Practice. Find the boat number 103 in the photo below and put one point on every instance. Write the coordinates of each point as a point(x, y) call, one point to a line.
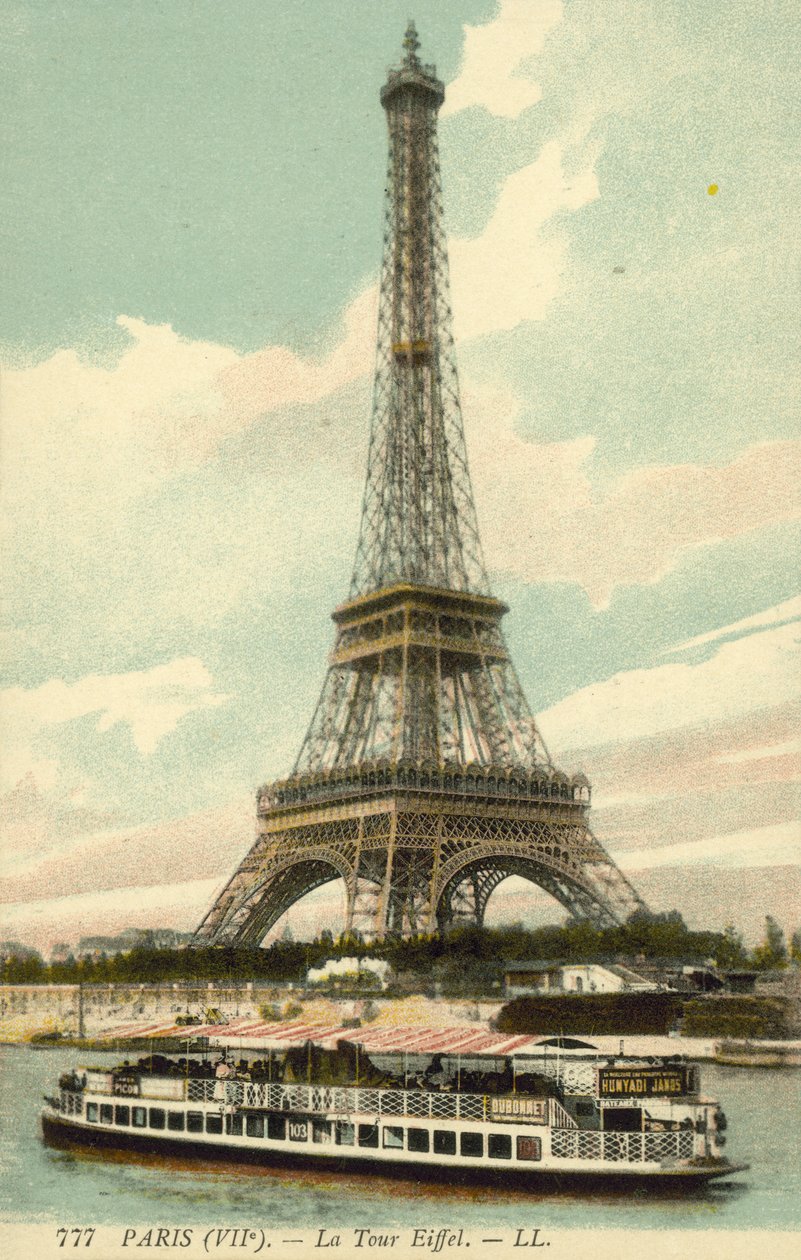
point(297, 1131)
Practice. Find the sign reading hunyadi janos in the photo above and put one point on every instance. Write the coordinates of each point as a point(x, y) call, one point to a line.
point(646, 1082)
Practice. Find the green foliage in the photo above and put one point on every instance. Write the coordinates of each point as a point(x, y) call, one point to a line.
point(772, 952)
point(591, 1013)
point(737, 1017)
point(25, 968)
point(470, 956)
point(731, 951)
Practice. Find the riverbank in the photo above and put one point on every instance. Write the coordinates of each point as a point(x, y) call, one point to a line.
point(82, 1017)
point(85, 1013)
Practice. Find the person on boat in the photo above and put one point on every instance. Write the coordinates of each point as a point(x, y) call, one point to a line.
point(222, 1072)
point(435, 1074)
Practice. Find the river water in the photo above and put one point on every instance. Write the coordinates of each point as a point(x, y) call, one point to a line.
point(67, 1189)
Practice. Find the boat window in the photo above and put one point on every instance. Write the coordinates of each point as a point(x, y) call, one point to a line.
point(254, 1126)
point(91, 1112)
point(417, 1139)
point(321, 1131)
point(444, 1142)
point(175, 1121)
point(393, 1137)
point(529, 1147)
point(213, 1123)
point(106, 1113)
point(194, 1121)
point(499, 1146)
point(368, 1135)
point(345, 1133)
point(139, 1117)
point(471, 1144)
point(585, 1107)
point(158, 1118)
point(122, 1115)
point(276, 1128)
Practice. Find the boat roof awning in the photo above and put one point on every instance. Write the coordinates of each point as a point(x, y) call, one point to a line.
point(407, 1040)
point(250, 1034)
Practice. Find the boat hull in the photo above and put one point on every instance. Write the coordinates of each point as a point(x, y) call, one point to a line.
point(59, 1131)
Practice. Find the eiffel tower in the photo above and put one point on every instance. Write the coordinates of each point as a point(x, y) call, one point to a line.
point(422, 781)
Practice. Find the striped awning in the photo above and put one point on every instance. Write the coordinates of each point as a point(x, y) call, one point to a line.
point(249, 1034)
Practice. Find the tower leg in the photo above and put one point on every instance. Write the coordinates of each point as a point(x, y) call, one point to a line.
point(387, 889)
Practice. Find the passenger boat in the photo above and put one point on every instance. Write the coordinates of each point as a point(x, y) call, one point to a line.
point(454, 1103)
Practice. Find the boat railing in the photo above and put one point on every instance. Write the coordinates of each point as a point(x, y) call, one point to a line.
point(558, 1118)
point(625, 1148)
point(70, 1102)
point(337, 1099)
point(347, 1100)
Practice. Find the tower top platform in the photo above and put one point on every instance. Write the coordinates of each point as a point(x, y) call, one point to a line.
point(412, 76)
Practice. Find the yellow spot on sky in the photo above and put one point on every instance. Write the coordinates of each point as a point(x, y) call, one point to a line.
point(712, 189)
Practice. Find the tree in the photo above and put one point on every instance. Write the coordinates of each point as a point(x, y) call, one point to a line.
point(795, 946)
point(772, 952)
point(731, 951)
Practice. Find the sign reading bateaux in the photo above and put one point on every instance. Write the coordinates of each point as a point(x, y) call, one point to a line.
point(646, 1082)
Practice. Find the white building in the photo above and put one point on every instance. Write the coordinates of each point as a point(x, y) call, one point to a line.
point(548, 977)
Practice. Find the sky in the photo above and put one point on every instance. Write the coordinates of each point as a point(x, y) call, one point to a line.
point(191, 202)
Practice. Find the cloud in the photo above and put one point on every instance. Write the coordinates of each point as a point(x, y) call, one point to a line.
point(166, 403)
point(743, 676)
point(513, 270)
point(208, 843)
point(789, 610)
point(52, 919)
point(765, 752)
point(546, 519)
point(710, 759)
point(149, 702)
point(693, 765)
point(492, 74)
point(278, 377)
point(760, 846)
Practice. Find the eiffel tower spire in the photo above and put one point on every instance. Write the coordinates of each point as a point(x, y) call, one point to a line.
point(418, 519)
point(422, 781)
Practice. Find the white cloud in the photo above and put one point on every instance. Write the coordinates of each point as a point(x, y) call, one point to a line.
point(492, 74)
point(87, 437)
point(179, 905)
point(150, 702)
point(789, 610)
point(743, 676)
point(512, 271)
point(544, 519)
point(762, 753)
point(761, 846)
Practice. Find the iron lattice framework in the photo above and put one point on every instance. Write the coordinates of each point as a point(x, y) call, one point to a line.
point(422, 781)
